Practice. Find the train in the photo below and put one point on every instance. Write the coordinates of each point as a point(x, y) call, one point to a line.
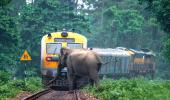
point(122, 62)
point(125, 62)
point(52, 73)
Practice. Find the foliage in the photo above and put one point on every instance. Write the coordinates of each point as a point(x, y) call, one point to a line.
point(167, 49)
point(134, 89)
point(5, 76)
point(161, 9)
point(4, 2)
point(9, 88)
point(9, 39)
point(120, 23)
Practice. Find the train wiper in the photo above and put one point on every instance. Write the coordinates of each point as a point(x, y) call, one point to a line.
point(55, 50)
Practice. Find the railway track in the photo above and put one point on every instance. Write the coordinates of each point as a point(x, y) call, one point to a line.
point(77, 95)
point(37, 95)
point(50, 94)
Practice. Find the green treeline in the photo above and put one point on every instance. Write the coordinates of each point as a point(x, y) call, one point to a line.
point(106, 23)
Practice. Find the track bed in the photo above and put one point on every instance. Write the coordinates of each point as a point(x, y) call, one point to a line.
point(60, 95)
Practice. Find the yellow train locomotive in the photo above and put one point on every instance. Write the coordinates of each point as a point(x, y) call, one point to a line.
point(50, 50)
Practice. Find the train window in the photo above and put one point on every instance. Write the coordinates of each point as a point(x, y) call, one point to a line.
point(53, 48)
point(64, 40)
point(75, 45)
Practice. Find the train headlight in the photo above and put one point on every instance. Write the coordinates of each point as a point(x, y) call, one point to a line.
point(48, 58)
point(52, 58)
point(64, 34)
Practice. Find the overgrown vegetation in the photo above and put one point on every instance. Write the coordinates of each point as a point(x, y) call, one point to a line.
point(10, 88)
point(134, 89)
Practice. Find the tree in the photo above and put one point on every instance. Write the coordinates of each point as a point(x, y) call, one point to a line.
point(9, 39)
point(44, 16)
point(4, 2)
point(160, 8)
point(120, 23)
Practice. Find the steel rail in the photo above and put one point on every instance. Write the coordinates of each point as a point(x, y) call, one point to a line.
point(37, 95)
point(77, 95)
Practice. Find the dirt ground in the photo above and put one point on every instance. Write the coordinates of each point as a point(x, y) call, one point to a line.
point(55, 96)
point(21, 95)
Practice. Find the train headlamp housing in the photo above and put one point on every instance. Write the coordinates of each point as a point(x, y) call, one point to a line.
point(64, 34)
point(49, 35)
point(52, 58)
point(48, 58)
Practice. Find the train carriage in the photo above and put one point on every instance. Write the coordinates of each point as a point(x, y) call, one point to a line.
point(125, 62)
point(50, 50)
point(118, 62)
point(142, 63)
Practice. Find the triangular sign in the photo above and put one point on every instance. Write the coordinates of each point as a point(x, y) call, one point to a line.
point(25, 56)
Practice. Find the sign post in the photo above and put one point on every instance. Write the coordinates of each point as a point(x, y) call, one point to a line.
point(25, 57)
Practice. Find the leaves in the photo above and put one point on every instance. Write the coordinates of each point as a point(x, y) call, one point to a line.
point(161, 10)
point(12, 87)
point(166, 50)
point(131, 89)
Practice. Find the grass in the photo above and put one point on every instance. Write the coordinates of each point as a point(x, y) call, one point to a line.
point(134, 89)
point(123, 89)
point(12, 87)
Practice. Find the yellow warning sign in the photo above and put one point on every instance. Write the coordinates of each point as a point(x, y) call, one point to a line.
point(25, 56)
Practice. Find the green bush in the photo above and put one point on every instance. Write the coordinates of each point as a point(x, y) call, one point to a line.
point(134, 89)
point(7, 91)
point(4, 77)
point(13, 87)
point(33, 84)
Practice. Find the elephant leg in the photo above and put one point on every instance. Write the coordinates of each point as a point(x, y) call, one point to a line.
point(96, 81)
point(91, 82)
point(70, 81)
point(74, 82)
point(94, 78)
point(70, 78)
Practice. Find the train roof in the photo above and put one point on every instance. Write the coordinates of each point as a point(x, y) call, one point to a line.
point(111, 52)
point(78, 36)
point(138, 51)
point(142, 52)
point(121, 51)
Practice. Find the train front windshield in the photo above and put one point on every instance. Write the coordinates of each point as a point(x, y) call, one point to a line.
point(75, 45)
point(53, 48)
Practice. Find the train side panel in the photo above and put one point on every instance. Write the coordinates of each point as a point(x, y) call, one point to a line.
point(125, 63)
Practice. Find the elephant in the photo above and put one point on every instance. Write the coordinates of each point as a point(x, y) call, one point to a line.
point(80, 63)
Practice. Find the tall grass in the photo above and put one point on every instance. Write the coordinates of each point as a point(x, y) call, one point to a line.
point(134, 89)
point(12, 87)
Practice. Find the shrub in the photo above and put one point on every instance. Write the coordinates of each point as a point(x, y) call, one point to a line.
point(134, 89)
point(13, 87)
